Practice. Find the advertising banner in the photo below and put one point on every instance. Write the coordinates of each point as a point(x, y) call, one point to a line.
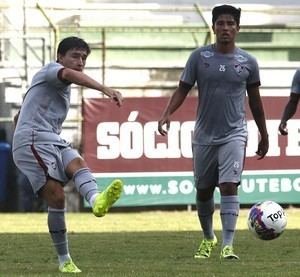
point(124, 143)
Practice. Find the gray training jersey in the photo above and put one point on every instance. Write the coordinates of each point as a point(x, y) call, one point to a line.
point(222, 80)
point(296, 82)
point(44, 109)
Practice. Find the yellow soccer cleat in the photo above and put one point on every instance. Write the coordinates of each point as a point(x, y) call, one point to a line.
point(227, 253)
point(206, 248)
point(69, 267)
point(107, 198)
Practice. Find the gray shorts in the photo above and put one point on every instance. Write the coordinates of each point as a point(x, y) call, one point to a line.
point(217, 164)
point(40, 161)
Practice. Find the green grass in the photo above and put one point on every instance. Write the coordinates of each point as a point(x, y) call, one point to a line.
point(142, 244)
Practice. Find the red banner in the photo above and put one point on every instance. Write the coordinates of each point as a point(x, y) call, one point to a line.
point(126, 140)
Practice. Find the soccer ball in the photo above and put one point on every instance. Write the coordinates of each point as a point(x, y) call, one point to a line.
point(267, 220)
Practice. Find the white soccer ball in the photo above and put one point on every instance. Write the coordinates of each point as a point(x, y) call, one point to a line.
point(267, 220)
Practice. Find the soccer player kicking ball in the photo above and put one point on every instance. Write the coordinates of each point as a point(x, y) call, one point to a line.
point(224, 73)
point(44, 157)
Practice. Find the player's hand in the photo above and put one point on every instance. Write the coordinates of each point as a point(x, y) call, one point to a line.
point(282, 128)
point(161, 123)
point(117, 97)
point(263, 147)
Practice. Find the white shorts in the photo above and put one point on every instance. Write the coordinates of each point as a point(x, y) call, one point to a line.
point(40, 161)
point(217, 164)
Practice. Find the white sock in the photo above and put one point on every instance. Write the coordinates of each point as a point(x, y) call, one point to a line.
point(92, 199)
point(63, 258)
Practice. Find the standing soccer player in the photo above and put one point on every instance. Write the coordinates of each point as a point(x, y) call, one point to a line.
point(291, 106)
point(44, 157)
point(224, 73)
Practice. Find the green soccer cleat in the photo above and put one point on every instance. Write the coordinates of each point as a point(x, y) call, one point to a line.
point(107, 198)
point(205, 248)
point(69, 267)
point(228, 254)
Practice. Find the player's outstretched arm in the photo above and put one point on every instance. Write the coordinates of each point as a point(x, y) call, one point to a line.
point(81, 79)
point(174, 103)
point(289, 111)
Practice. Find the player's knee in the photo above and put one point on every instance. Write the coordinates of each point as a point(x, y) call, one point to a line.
point(227, 189)
point(75, 165)
point(53, 193)
point(204, 195)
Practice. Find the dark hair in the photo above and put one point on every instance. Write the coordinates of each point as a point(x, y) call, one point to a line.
point(226, 9)
point(71, 43)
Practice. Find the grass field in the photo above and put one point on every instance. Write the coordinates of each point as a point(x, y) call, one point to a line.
point(142, 244)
